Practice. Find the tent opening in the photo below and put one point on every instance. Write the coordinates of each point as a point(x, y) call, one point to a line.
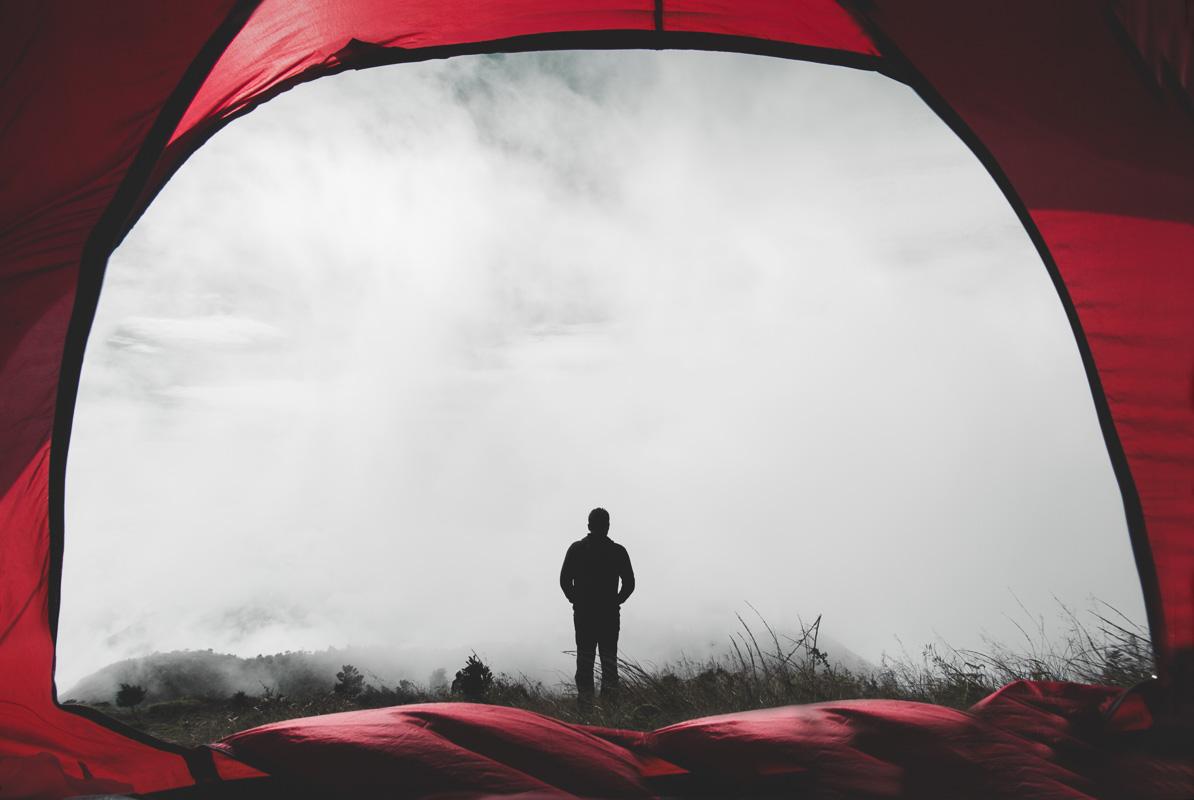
point(366, 363)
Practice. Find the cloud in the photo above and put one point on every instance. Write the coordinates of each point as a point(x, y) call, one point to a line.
point(379, 346)
point(152, 335)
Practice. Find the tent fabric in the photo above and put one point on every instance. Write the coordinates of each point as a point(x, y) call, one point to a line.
point(284, 40)
point(81, 87)
point(1029, 740)
point(1080, 110)
point(1102, 163)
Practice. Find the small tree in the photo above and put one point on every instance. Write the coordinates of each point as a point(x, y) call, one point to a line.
point(130, 696)
point(349, 681)
point(474, 681)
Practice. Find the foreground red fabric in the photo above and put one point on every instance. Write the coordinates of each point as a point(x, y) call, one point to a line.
point(1080, 110)
point(1029, 740)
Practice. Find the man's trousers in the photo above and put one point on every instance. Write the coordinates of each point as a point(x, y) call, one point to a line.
point(596, 629)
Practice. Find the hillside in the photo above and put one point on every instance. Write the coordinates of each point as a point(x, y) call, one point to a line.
point(185, 674)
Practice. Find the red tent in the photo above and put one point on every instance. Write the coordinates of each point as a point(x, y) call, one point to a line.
point(1082, 111)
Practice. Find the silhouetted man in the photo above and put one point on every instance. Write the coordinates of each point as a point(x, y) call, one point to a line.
point(589, 578)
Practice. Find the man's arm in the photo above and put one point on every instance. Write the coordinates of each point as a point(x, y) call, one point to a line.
point(566, 576)
point(626, 573)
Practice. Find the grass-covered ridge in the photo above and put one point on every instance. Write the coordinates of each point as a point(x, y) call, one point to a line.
point(761, 669)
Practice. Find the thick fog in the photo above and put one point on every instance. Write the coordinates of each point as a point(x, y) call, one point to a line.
point(364, 366)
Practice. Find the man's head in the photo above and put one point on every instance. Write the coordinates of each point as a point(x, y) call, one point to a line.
point(599, 522)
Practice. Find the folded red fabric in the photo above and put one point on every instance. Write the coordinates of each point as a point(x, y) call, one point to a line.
point(1028, 740)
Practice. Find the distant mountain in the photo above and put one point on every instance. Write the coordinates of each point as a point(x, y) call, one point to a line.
point(203, 673)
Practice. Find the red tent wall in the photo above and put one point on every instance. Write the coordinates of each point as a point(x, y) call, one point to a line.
point(82, 86)
point(100, 102)
point(1102, 163)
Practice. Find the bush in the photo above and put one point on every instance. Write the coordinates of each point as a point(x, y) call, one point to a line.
point(349, 681)
point(271, 699)
point(474, 681)
point(130, 696)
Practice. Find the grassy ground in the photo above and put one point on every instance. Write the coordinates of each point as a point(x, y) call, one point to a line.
point(763, 669)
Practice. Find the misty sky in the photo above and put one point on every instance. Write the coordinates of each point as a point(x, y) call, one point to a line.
point(362, 369)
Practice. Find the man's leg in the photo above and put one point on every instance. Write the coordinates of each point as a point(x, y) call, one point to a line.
point(586, 654)
point(607, 640)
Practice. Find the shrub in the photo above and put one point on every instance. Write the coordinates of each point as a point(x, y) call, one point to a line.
point(474, 681)
point(349, 681)
point(130, 696)
point(271, 699)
